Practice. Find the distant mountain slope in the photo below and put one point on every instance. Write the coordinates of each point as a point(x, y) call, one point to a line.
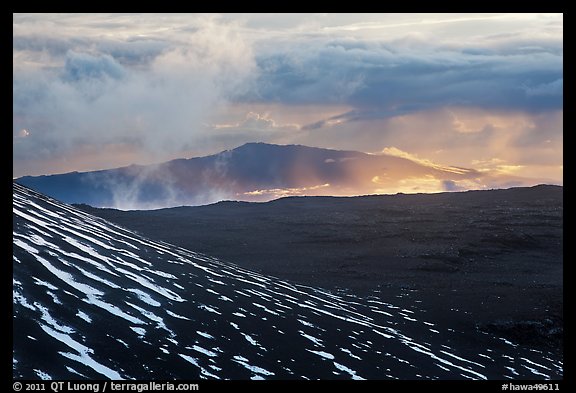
point(252, 172)
point(93, 300)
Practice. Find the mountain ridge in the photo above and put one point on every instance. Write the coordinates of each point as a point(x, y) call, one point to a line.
point(255, 172)
point(535, 188)
point(244, 146)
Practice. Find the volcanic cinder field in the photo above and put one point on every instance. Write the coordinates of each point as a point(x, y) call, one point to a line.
point(95, 300)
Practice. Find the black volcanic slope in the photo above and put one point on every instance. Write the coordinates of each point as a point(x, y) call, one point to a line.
point(93, 300)
point(495, 256)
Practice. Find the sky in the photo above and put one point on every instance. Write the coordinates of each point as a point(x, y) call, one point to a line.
point(479, 91)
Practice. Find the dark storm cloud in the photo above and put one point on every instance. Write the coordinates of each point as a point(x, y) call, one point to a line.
point(380, 79)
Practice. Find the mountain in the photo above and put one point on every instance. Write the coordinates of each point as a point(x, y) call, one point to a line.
point(94, 300)
point(252, 172)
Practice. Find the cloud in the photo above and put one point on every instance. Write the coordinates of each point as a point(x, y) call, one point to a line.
point(456, 137)
point(91, 98)
point(552, 89)
point(381, 77)
point(23, 133)
point(451, 87)
point(330, 122)
point(394, 151)
point(276, 193)
point(256, 122)
point(86, 67)
point(385, 66)
point(451, 185)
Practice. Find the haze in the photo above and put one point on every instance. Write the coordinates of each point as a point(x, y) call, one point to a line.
point(477, 91)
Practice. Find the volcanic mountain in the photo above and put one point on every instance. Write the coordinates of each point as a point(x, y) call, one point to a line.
point(252, 172)
point(94, 300)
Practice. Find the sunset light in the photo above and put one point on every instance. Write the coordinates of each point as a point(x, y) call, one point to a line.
point(480, 92)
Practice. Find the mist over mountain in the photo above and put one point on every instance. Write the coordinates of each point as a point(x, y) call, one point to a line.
point(257, 172)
